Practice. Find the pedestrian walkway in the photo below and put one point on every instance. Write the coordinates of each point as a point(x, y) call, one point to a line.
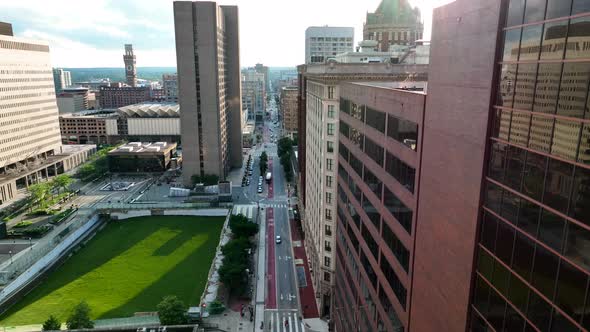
point(275, 321)
point(249, 210)
point(274, 205)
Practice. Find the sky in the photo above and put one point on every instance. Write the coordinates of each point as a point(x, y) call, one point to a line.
point(91, 33)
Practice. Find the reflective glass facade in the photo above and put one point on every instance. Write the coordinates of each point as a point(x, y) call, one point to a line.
point(533, 258)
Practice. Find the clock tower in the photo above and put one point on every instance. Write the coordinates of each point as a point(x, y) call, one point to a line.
point(130, 69)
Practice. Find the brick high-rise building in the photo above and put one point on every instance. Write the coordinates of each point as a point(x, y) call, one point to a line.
point(394, 22)
point(207, 52)
point(115, 97)
point(288, 110)
point(484, 227)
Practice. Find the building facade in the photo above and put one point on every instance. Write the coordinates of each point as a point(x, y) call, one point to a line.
point(145, 122)
point(254, 94)
point(170, 86)
point(323, 43)
point(378, 159)
point(394, 22)
point(288, 111)
point(130, 66)
point(30, 140)
point(207, 52)
point(115, 97)
point(61, 79)
point(318, 156)
point(6, 29)
point(262, 69)
point(72, 100)
point(499, 228)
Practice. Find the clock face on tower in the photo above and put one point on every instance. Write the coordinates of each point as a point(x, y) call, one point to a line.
point(129, 68)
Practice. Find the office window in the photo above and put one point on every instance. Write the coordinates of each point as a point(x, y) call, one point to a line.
point(330, 92)
point(327, 261)
point(329, 164)
point(374, 151)
point(330, 146)
point(330, 129)
point(331, 111)
point(329, 181)
point(328, 230)
point(535, 10)
point(327, 246)
point(375, 119)
point(403, 131)
point(511, 44)
point(328, 198)
point(327, 276)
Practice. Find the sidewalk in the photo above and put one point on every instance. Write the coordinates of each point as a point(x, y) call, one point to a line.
point(306, 293)
point(260, 271)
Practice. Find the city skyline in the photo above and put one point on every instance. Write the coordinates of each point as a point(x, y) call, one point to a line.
point(94, 38)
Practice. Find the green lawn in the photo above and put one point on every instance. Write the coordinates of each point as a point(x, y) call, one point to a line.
point(127, 267)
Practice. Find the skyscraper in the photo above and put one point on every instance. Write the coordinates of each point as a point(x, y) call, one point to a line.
point(394, 22)
point(207, 52)
point(30, 139)
point(323, 43)
point(130, 69)
point(61, 79)
point(484, 225)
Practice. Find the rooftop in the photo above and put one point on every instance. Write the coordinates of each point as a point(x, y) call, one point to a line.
point(143, 148)
point(150, 110)
point(411, 86)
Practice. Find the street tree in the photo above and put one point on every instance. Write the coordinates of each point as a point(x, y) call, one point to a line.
point(52, 324)
point(39, 192)
point(62, 182)
point(80, 317)
point(171, 311)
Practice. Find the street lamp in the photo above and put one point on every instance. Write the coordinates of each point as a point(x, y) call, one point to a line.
point(10, 253)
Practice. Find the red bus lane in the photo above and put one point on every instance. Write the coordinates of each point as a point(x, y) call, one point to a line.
point(306, 293)
point(271, 294)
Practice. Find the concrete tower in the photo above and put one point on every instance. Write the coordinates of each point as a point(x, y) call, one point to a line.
point(130, 69)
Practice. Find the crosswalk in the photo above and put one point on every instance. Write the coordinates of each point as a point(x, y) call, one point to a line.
point(275, 321)
point(275, 205)
point(249, 210)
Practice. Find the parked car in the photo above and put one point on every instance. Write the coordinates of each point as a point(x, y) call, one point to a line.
point(278, 239)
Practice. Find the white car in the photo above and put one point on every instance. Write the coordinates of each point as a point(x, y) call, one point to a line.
point(259, 190)
point(278, 239)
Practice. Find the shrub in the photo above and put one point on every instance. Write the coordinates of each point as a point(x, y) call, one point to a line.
point(216, 307)
point(23, 224)
point(171, 311)
point(80, 317)
point(37, 232)
point(51, 324)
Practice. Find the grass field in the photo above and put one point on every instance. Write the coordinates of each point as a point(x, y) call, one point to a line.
point(127, 267)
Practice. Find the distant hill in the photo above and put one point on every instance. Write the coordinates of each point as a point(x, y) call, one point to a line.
point(118, 74)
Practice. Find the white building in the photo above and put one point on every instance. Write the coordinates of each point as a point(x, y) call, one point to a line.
point(61, 79)
point(323, 43)
point(30, 138)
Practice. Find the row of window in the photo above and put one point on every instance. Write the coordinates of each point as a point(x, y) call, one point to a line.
point(537, 10)
point(563, 138)
point(562, 236)
point(403, 131)
point(552, 88)
point(25, 79)
point(398, 169)
point(558, 184)
point(14, 45)
point(392, 203)
point(24, 72)
point(349, 39)
point(550, 41)
point(24, 104)
point(526, 273)
point(23, 152)
point(26, 87)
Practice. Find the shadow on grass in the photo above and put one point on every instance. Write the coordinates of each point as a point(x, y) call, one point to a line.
point(114, 240)
point(187, 280)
